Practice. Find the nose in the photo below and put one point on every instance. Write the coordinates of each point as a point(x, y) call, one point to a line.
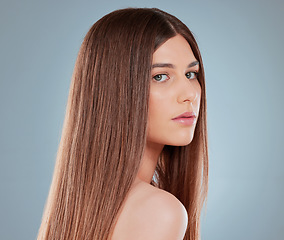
point(187, 90)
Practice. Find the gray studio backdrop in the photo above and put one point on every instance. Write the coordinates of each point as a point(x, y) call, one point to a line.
point(242, 47)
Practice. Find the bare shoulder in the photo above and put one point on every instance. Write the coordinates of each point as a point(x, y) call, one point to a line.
point(151, 213)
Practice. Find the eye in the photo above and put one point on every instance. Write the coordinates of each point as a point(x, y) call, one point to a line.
point(161, 77)
point(191, 75)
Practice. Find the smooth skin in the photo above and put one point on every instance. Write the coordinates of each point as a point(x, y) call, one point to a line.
point(148, 212)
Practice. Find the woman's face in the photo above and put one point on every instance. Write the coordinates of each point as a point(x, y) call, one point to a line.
point(174, 90)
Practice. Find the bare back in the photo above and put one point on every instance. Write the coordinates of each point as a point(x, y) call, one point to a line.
point(150, 213)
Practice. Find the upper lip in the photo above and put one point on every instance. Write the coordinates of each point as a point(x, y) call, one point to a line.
point(186, 115)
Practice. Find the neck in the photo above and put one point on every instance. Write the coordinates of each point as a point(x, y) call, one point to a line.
point(149, 162)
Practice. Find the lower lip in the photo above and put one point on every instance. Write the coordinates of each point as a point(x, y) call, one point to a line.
point(185, 121)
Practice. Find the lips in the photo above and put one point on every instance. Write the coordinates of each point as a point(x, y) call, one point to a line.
point(186, 119)
point(186, 115)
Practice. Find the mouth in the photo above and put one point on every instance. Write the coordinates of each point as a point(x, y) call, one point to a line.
point(186, 115)
point(187, 118)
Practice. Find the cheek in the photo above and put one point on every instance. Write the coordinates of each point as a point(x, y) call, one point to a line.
point(197, 102)
point(158, 110)
point(156, 106)
point(198, 89)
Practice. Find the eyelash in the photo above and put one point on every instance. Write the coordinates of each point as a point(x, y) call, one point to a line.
point(165, 74)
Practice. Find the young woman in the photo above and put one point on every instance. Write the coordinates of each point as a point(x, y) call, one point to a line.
point(133, 158)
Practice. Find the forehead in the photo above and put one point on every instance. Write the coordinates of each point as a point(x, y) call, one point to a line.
point(174, 49)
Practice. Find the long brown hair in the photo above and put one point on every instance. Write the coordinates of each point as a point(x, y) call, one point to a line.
point(104, 131)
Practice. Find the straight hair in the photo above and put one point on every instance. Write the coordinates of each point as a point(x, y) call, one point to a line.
point(104, 131)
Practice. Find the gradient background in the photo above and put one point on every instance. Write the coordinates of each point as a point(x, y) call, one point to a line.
point(242, 47)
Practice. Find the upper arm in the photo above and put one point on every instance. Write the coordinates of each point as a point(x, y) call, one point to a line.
point(160, 217)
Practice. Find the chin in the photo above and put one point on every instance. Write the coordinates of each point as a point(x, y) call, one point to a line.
point(180, 144)
point(181, 141)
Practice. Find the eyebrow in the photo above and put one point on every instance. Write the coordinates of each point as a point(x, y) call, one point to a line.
point(169, 65)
